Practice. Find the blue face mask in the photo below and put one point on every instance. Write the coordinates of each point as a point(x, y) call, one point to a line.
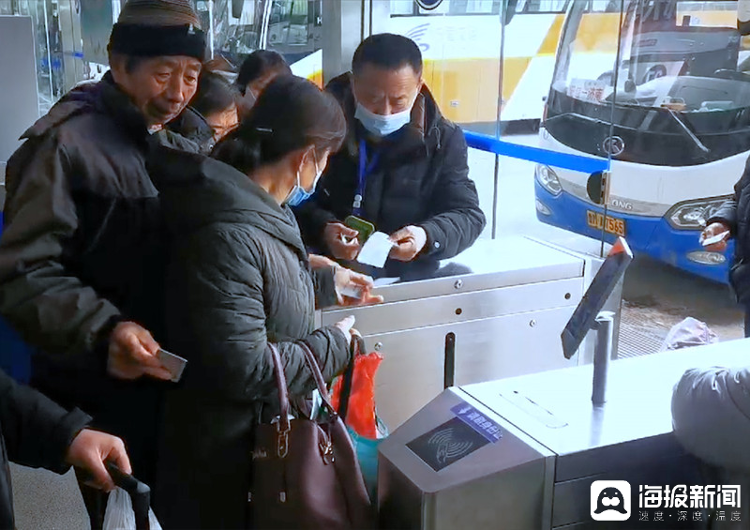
point(382, 125)
point(298, 195)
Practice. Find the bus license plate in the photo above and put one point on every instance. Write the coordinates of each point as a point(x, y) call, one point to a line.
point(611, 225)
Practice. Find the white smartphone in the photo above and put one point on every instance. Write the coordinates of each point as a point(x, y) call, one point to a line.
point(718, 238)
point(174, 363)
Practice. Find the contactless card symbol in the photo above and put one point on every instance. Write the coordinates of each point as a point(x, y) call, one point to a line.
point(610, 500)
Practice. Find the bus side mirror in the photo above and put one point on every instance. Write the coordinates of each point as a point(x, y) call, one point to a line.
point(510, 11)
point(743, 17)
point(237, 8)
point(597, 187)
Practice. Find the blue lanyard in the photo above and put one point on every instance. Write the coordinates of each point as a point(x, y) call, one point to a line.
point(364, 170)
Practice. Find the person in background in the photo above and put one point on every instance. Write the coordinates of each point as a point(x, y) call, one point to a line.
point(257, 71)
point(732, 220)
point(81, 253)
point(211, 114)
point(711, 420)
point(222, 66)
point(239, 279)
point(36, 432)
point(403, 167)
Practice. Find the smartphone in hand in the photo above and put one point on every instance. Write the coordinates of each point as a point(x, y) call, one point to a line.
point(364, 228)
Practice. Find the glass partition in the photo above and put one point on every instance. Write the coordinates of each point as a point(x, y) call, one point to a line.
point(649, 95)
point(654, 92)
point(666, 102)
point(292, 28)
point(49, 64)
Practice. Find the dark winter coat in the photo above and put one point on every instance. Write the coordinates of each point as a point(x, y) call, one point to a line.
point(238, 279)
point(34, 432)
point(736, 214)
point(421, 178)
point(81, 250)
point(192, 125)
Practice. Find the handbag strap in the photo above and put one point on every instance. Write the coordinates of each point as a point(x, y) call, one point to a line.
point(357, 347)
point(284, 425)
point(312, 363)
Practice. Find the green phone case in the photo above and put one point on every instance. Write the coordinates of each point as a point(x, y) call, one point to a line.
point(365, 228)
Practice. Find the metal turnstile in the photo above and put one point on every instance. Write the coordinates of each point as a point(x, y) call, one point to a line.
point(505, 316)
point(539, 444)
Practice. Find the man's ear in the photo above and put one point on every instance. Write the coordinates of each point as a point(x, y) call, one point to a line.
point(117, 64)
point(352, 86)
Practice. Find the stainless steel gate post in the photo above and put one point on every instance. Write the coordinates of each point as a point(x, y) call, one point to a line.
point(602, 355)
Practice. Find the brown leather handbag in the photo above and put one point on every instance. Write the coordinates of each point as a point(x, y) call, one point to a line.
point(305, 471)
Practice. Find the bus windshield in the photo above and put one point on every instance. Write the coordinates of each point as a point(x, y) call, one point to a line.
point(679, 94)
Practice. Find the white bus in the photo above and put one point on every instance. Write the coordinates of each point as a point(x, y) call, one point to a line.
point(673, 114)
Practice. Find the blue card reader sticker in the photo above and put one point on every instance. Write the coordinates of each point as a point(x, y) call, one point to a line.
point(479, 422)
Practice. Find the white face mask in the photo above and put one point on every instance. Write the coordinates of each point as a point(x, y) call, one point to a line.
point(382, 125)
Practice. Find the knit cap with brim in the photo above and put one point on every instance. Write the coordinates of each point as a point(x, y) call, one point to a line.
point(150, 28)
point(159, 13)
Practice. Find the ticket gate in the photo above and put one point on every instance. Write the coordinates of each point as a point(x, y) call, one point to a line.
point(523, 453)
point(501, 319)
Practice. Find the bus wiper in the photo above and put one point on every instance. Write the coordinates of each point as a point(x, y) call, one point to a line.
point(688, 132)
point(581, 117)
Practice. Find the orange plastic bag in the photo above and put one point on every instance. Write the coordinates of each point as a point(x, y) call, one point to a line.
point(361, 416)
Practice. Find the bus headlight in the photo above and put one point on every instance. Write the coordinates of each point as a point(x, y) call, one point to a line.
point(707, 258)
point(547, 178)
point(692, 215)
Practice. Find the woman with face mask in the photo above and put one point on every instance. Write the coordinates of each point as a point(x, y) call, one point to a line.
point(212, 112)
point(257, 71)
point(238, 279)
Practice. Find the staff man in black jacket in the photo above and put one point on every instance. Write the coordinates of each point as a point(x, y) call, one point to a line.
point(403, 166)
point(36, 432)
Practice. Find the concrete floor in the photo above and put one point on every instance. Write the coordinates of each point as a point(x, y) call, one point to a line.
point(46, 501)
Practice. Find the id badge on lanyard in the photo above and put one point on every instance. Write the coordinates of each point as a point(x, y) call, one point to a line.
point(364, 170)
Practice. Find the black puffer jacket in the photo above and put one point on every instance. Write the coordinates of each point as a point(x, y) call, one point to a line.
point(34, 432)
point(238, 279)
point(81, 249)
point(736, 214)
point(420, 179)
point(192, 125)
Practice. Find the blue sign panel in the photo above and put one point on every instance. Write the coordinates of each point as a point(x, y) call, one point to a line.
point(484, 426)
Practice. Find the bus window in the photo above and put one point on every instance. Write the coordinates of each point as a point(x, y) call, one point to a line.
point(290, 27)
point(683, 60)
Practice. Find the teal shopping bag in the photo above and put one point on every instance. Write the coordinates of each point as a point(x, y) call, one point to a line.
point(367, 454)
